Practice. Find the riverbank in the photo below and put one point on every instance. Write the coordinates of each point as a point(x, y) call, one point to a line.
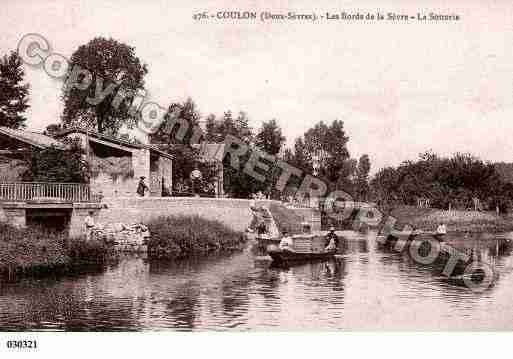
point(428, 219)
point(185, 236)
point(34, 251)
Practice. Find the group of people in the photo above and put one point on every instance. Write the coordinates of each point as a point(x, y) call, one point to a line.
point(331, 244)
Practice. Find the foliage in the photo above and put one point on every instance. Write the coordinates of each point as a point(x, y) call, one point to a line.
point(322, 151)
point(188, 112)
point(327, 146)
point(58, 165)
point(13, 93)
point(362, 178)
point(53, 129)
point(88, 251)
point(237, 183)
point(183, 236)
point(30, 248)
point(270, 139)
point(111, 63)
point(36, 250)
point(428, 219)
point(186, 159)
point(456, 180)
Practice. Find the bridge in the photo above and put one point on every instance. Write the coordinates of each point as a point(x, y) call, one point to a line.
point(57, 206)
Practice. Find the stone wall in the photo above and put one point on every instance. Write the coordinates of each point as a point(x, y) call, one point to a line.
point(234, 213)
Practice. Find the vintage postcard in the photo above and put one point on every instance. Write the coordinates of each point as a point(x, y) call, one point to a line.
point(282, 166)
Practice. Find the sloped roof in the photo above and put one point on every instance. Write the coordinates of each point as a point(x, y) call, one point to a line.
point(208, 151)
point(115, 140)
point(32, 138)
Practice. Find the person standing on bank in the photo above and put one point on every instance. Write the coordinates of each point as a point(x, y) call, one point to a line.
point(142, 187)
point(89, 224)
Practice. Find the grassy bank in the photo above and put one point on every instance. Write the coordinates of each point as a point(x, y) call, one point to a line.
point(457, 221)
point(184, 236)
point(36, 251)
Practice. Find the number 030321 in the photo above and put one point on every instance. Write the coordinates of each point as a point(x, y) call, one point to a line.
point(21, 344)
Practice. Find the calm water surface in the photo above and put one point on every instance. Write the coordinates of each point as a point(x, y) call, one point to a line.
point(368, 289)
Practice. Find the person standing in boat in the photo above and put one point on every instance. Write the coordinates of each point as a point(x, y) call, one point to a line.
point(261, 228)
point(332, 240)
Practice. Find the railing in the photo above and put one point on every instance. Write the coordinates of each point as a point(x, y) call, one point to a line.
point(31, 191)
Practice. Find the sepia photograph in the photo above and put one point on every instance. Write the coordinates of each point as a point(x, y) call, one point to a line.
point(285, 166)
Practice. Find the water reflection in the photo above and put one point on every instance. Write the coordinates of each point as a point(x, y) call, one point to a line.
point(367, 288)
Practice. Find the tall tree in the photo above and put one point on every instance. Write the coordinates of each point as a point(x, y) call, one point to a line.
point(327, 148)
point(13, 92)
point(211, 129)
point(270, 138)
point(244, 132)
point(187, 111)
point(114, 67)
point(362, 177)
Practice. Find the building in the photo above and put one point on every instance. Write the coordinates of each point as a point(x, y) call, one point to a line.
point(117, 165)
point(14, 145)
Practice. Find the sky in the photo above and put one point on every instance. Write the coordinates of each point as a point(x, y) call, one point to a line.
point(400, 88)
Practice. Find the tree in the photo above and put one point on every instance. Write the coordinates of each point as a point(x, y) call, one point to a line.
point(186, 111)
point(270, 139)
point(113, 65)
point(327, 148)
point(362, 178)
point(52, 129)
point(211, 129)
point(13, 93)
point(454, 181)
point(186, 159)
point(244, 132)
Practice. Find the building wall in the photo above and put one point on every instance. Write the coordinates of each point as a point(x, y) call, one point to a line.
point(235, 213)
point(120, 187)
point(166, 166)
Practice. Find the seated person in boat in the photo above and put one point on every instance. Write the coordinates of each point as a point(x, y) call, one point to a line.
point(441, 229)
point(306, 228)
point(286, 241)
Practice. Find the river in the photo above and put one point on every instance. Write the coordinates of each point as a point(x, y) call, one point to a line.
point(368, 289)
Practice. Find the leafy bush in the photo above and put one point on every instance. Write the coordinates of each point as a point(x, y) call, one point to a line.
point(92, 251)
point(58, 165)
point(35, 250)
point(182, 236)
point(24, 250)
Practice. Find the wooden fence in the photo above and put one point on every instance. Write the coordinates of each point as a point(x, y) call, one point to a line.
point(29, 191)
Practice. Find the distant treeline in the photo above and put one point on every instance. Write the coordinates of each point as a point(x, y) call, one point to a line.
point(455, 181)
